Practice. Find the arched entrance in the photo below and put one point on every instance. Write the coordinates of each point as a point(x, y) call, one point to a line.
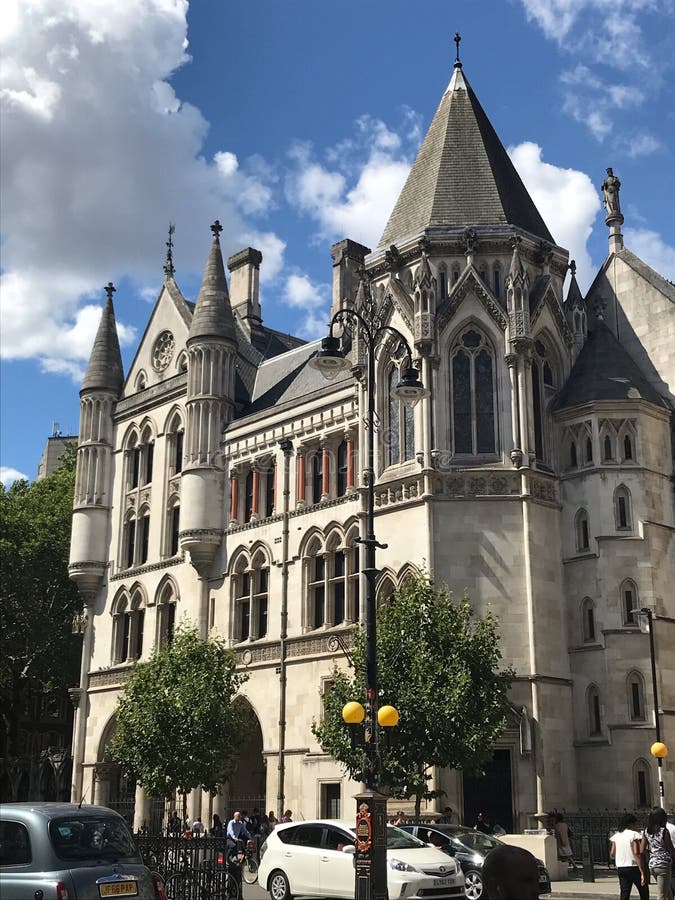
point(112, 788)
point(247, 786)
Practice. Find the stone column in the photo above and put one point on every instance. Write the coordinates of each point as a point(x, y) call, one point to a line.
point(141, 809)
point(516, 452)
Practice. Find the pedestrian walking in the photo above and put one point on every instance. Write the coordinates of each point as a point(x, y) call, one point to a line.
point(624, 849)
point(217, 829)
point(661, 852)
point(562, 837)
point(400, 818)
point(287, 816)
point(272, 819)
point(446, 818)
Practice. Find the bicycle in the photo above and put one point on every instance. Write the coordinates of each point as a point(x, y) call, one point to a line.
point(249, 864)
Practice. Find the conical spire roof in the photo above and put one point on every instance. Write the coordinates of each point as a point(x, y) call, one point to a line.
point(213, 313)
point(104, 371)
point(462, 176)
point(574, 297)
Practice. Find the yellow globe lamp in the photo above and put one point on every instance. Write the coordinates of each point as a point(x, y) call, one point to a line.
point(659, 750)
point(387, 716)
point(353, 713)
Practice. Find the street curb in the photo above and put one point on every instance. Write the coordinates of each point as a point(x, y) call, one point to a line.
point(557, 895)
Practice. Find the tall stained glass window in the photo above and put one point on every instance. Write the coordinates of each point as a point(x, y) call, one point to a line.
point(472, 373)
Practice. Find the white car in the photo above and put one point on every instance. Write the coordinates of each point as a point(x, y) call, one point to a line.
point(317, 859)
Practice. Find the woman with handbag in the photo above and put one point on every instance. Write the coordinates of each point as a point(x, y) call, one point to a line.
point(661, 852)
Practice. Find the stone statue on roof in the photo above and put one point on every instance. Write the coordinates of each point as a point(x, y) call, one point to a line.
point(610, 193)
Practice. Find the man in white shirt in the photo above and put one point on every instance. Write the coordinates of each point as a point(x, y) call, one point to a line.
point(623, 850)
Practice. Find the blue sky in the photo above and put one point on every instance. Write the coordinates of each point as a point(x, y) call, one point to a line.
point(295, 124)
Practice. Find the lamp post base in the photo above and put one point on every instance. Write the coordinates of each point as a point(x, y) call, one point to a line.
point(371, 846)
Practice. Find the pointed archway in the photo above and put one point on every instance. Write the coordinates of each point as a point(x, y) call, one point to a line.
point(248, 783)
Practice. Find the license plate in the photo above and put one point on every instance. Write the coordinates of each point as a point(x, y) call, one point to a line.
point(442, 882)
point(118, 889)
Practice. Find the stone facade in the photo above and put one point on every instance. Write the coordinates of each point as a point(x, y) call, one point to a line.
point(544, 492)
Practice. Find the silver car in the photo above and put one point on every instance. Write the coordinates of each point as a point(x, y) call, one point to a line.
point(60, 851)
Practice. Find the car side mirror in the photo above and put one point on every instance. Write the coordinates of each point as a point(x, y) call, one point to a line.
point(350, 849)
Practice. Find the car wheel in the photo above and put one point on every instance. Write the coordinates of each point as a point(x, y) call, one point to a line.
point(278, 886)
point(473, 884)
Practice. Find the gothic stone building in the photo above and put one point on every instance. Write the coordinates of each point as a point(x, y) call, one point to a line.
point(219, 481)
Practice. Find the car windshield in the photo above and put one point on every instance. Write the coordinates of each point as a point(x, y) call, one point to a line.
point(91, 837)
point(476, 840)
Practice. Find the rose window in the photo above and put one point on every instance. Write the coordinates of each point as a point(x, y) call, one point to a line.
point(163, 351)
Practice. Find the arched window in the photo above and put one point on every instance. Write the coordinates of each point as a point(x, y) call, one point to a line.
point(385, 590)
point(250, 595)
point(443, 281)
point(622, 509)
point(455, 274)
point(248, 496)
point(128, 621)
point(582, 531)
point(589, 451)
point(636, 697)
point(166, 615)
point(594, 716)
point(134, 471)
point(129, 542)
point(400, 423)
point(270, 487)
point(627, 448)
point(588, 620)
point(543, 386)
point(316, 577)
point(143, 535)
point(173, 527)
point(608, 449)
point(497, 280)
point(629, 602)
point(642, 785)
point(472, 375)
point(175, 436)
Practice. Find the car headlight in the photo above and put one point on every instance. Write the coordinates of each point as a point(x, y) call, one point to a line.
point(399, 866)
point(477, 859)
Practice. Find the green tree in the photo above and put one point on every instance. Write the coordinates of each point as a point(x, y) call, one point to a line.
point(177, 725)
point(440, 666)
point(37, 599)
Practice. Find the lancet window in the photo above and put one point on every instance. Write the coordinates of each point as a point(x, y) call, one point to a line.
point(473, 393)
point(250, 596)
point(544, 383)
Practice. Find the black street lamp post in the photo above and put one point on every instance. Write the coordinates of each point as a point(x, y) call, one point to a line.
point(371, 874)
point(658, 749)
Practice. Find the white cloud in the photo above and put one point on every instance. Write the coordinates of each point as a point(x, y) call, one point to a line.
point(99, 155)
point(8, 475)
point(607, 31)
point(300, 292)
point(593, 101)
point(641, 144)
point(352, 193)
point(566, 199)
point(650, 247)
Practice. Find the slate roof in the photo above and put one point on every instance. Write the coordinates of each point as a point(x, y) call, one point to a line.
point(604, 371)
point(462, 175)
point(104, 370)
point(289, 377)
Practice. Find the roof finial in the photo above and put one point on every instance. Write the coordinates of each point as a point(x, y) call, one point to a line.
point(573, 267)
point(458, 38)
point(168, 266)
point(110, 290)
point(216, 228)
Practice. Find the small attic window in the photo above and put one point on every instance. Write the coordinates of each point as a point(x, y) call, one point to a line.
point(182, 363)
point(141, 381)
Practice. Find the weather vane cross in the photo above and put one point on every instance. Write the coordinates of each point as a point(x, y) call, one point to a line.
point(457, 39)
point(216, 228)
point(168, 267)
point(110, 289)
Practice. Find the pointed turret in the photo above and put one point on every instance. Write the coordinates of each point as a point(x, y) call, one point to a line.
point(104, 371)
point(462, 176)
point(518, 295)
point(213, 314)
point(212, 352)
point(101, 389)
point(575, 310)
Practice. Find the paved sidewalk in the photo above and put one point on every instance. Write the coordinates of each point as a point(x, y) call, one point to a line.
point(606, 885)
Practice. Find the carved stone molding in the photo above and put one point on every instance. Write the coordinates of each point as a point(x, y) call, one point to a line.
point(400, 492)
point(489, 484)
point(109, 677)
point(151, 567)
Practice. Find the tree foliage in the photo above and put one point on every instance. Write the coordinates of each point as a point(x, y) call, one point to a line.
point(440, 666)
point(37, 599)
point(177, 725)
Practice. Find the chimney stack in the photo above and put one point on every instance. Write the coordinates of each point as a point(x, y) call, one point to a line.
point(245, 286)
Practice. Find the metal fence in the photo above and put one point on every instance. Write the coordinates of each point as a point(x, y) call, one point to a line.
point(194, 857)
point(599, 825)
